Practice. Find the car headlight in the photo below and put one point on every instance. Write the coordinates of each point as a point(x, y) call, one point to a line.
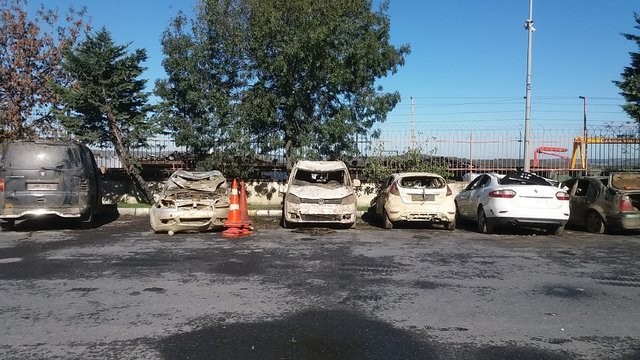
point(351, 199)
point(292, 199)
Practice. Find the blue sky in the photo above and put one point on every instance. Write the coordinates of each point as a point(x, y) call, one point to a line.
point(467, 66)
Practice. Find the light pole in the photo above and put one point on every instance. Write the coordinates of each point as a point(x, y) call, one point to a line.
point(584, 133)
point(528, 25)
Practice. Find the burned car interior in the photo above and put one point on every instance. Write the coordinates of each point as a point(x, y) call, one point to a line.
point(305, 177)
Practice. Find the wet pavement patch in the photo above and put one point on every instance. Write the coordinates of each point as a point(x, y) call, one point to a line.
point(237, 268)
point(428, 285)
point(325, 334)
point(314, 230)
point(157, 290)
point(565, 291)
point(329, 334)
point(83, 290)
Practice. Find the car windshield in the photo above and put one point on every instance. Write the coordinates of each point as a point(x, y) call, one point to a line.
point(524, 178)
point(333, 177)
point(39, 155)
point(430, 182)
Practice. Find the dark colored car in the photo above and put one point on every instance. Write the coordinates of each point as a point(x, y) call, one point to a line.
point(605, 203)
point(48, 178)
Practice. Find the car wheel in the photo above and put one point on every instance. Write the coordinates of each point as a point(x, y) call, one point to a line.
point(86, 222)
point(8, 225)
point(386, 223)
point(594, 223)
point(559, 230)
point(284, 223)
point(451, 225)
point(483, 226)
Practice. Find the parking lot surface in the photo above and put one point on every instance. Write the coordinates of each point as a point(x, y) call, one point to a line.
point(120, 291)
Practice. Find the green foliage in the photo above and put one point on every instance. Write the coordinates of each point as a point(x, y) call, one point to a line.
point(378, 168)
point(296, 74)
point(630, 83)
point(106, 103)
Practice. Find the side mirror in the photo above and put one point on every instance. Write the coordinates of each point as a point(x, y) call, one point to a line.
point(356, 182)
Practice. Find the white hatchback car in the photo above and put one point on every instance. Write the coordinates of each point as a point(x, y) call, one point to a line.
point(415, 197)
point(320, 192)
point(518, 199)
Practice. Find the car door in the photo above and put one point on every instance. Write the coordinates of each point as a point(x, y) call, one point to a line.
point(467, 198)
point(579, 201)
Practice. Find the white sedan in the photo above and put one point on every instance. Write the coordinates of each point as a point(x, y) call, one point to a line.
point(517, 199)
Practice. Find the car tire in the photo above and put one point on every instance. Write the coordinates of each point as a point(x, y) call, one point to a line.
point(286, 224)
point(451, 225)
point(87, 220)
point(7, 225)
point(558, 231)
point(386, 223)
point(483, 226)
point(594, 223)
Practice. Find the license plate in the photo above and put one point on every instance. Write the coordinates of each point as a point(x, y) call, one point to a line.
point(425, 197)
point(40, 187)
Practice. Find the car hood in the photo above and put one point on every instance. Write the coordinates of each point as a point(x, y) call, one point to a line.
point(320, 191)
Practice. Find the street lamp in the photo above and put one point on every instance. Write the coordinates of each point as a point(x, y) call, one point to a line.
point(528, 25)
point(584, 133)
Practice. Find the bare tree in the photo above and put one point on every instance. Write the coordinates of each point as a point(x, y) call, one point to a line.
point(31, 50)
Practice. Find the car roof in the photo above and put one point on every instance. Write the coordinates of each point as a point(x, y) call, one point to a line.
point(313, 165)
point(416, 173)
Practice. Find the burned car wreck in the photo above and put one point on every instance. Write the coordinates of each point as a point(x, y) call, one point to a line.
point(191, 201)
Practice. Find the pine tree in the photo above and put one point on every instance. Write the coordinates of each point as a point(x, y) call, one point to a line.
point(106, 103)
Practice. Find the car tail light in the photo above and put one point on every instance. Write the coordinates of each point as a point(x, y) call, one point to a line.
point(508, 194)
point(394, 189)
point(562, 195)
point(1, 184)
point(625, 204)
point(449, 192)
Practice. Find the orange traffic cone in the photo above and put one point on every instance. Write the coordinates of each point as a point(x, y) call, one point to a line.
point(244, 212)
point(234, 223)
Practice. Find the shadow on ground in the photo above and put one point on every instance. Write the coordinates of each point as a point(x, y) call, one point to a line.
point(326, 334)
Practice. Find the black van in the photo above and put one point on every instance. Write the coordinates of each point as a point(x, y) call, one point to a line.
point(48, 178)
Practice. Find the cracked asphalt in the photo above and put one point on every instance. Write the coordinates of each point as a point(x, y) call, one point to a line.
point(120, 291)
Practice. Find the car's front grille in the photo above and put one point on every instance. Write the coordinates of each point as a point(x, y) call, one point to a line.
point(321, 201)
point(320, 217)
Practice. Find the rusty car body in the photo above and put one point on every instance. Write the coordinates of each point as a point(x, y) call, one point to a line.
point(608, 203)
point(191, 201)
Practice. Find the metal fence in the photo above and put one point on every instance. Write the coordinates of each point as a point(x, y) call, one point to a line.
point(560, 151)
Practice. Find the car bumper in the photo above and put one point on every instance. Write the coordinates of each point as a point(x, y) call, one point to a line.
point(326, 214)
point(18, 214)
point(171, 220)
point(525, 222)
point(418, 215)
point(623, 222)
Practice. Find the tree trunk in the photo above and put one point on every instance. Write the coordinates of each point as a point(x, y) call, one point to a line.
point(127, 163)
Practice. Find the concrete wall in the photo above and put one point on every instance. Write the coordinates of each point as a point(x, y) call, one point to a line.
point(259, 193)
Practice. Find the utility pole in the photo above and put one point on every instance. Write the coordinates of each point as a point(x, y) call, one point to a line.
point(528, 25)
point(584, 134)
point(413, 130)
